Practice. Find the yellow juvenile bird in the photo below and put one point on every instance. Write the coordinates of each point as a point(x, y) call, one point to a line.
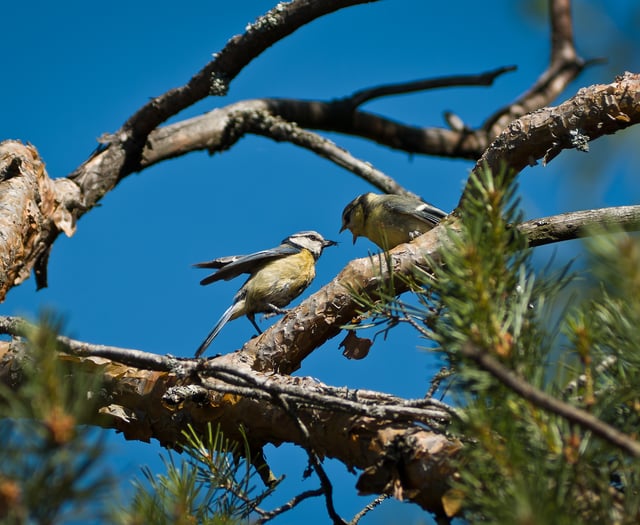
point(276, 277)
point(389, 220)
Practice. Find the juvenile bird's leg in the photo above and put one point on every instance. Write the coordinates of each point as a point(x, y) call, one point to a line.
point(252, 318)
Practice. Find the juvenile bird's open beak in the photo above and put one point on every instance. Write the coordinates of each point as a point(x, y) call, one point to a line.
point(344, 227)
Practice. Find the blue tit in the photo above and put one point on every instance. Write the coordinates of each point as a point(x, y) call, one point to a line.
point(389, 220)
point(276, 277)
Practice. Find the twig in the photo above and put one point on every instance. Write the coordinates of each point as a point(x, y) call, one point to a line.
point(442, 374)
point(17, 326)
point(325, 482)
point(277, 128)
point(292, 503)
point(481, 79)
point(541, 399)
point(335, 399)
point(368, 508)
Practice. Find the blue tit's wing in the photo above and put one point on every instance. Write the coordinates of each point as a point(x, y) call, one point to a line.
point(236, 265)
point(415, 208)
point(219, 262)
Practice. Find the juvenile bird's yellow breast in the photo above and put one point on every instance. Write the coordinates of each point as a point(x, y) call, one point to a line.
point(280, 281)
point(392, 231)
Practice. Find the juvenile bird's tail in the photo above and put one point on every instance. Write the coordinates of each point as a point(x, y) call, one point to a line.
point(226, 316)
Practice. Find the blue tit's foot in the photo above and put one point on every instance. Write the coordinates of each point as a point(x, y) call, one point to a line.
point(273, 310)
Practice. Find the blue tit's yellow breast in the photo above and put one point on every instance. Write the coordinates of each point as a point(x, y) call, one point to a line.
point(280, 281)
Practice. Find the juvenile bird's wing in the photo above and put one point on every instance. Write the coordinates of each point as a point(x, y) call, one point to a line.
point(415, 208)
point(232, 266)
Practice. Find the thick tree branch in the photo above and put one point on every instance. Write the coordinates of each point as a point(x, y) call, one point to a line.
point(595, 111)
point(217, 130)
point(221, 375)
point(403, 458)
point(33, 209)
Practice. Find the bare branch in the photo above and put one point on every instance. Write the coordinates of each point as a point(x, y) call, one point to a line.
point(362, 402)
point(262, 123)
point(215, 77)
point(481, 79)
point(18, 327)
point(368, 508)
point(218, 131)
point(541, 399)
point(315, 462)
point(220, 376)
point(573, 225)
point(266, 516)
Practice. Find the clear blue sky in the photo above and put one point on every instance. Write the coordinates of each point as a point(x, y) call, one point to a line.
point(75, 70)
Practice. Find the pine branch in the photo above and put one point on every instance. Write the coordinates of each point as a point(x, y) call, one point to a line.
point(573, 414)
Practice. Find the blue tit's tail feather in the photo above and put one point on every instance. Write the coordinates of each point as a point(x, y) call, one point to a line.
point(216, 329)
